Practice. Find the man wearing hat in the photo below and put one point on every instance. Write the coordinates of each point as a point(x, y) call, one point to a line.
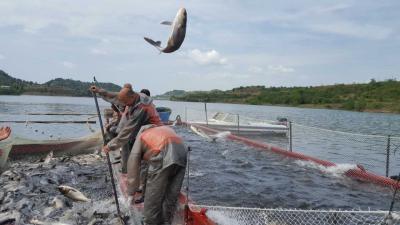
point(139, 110)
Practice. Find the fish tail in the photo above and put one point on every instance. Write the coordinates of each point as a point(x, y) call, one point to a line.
point(156, 44)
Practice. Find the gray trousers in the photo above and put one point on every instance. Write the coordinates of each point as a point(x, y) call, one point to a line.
point(162, 192)
point(126, 151)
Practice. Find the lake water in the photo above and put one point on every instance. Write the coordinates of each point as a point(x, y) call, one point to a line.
point(232, 174)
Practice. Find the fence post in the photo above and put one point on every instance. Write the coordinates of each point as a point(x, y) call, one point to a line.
point(290, 136)
point(387, 156)
point(238, 125)
point(205, 109)
point(186, 115)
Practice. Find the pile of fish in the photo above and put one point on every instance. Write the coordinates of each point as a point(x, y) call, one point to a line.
point(65, 190)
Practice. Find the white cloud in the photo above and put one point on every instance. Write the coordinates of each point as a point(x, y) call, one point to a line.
point(2, 57)
point(345, 28)
point(97, 51)
point(280, 69)
point(256, 69)
point(330, 8)
point(207, 57)
point(271, 68)
point(68, 65)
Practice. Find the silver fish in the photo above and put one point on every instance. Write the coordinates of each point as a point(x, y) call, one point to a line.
point(57, 203)
point(203, 134)
point(48, 158)
point(177, 35)
point(38, 222)
point(72, 193)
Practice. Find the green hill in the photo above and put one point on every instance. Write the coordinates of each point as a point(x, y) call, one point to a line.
point(375, 96)
point(60, 87)
point(169, 94)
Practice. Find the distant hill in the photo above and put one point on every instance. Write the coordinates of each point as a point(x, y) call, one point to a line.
point(60, 87)
point(375, 96)
point(169, 94)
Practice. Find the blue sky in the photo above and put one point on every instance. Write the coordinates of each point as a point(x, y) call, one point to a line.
point(229, 43)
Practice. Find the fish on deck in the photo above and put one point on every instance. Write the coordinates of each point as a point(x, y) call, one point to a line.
point(72, 193)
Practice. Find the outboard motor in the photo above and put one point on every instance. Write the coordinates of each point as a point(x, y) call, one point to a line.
point(282, 120)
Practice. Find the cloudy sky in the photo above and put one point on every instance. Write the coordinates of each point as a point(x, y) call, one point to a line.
point(229, 43)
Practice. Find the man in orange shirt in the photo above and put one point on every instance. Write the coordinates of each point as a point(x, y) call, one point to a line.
point(165, 153)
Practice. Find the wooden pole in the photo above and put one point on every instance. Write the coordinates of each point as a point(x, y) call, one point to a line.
point(290, 137)
point(205, 109)
point(108, 155)
point(387, 156)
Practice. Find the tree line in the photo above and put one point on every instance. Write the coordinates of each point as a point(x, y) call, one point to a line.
point(378, 96)
point(59, 87)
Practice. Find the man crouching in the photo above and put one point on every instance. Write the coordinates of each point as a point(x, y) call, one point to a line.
point(166, 155)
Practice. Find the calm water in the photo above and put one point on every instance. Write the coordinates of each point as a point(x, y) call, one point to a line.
point(229, 173)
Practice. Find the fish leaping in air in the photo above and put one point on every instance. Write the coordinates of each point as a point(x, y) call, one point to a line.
point(178, 33)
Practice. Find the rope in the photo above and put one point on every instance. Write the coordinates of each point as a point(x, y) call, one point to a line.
point(343, 132)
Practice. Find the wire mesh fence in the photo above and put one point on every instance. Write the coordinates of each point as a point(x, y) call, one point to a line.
point(376, 153)
point(257, 216)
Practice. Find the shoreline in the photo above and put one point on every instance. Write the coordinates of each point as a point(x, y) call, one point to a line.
point(304, 106)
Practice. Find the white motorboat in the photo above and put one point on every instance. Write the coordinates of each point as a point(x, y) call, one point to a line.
point(243, 125)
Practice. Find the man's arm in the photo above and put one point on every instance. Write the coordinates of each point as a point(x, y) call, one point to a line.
point(135, 160)
point(134, 167)
point(110, 97)
point(129, 130)
point(107, 96)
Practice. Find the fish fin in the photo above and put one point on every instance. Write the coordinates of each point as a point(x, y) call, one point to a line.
point(166, 23)
point(156, 44)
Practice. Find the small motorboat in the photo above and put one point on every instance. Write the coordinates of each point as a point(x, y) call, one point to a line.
point(243, 125)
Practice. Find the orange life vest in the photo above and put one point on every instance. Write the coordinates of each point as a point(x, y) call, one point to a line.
point(157, 138)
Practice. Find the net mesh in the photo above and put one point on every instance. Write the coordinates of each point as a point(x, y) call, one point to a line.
point(256, 216)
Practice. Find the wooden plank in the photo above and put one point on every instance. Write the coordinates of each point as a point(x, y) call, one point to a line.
point(62, 114)
point(48, 121)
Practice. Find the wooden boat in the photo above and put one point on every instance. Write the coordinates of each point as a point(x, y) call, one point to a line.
point(19, 148)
